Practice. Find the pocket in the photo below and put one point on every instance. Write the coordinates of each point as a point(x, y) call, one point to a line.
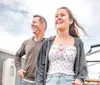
point(22, 82)
point(69, 78)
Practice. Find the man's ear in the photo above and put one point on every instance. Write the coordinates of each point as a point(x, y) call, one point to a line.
point(43, 25)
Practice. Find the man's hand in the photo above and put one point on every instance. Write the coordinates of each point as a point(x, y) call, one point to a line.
point(77, 82)
point(21, 73)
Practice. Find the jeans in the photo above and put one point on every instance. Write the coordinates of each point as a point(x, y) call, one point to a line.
point(22, 82)
point(59, 79)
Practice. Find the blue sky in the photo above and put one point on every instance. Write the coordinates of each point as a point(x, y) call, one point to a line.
point(16, 17)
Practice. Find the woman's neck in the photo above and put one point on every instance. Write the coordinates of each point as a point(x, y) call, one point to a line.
point(63, 34)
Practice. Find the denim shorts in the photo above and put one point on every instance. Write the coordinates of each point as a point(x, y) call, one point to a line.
point(59, 79)
point(22, 82)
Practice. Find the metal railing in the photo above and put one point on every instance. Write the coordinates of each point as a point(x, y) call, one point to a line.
point(93, 46)
point(92, 82)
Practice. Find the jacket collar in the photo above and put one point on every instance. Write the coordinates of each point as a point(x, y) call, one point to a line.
point(77, 40)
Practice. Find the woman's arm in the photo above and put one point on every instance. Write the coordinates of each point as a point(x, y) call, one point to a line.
point(40, 65)
point(82, 71)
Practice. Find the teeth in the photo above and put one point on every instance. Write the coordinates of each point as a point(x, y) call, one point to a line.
point(35, 27)
point(60, 21)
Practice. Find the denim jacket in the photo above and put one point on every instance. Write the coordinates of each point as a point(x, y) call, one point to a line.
point(42, 65)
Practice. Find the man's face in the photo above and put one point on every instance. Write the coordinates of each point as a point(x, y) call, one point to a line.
point(36, 26)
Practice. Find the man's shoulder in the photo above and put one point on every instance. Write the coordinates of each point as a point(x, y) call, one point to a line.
point(27, 40)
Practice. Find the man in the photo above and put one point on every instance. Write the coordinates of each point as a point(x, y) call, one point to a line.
point(30, 49)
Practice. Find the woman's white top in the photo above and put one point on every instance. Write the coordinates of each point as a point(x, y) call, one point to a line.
point(61, 59)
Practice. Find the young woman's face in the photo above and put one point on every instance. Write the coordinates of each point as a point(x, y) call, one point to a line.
point(62, 20)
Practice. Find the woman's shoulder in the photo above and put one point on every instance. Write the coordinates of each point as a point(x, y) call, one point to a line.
point(78, 41)
point(50, 38)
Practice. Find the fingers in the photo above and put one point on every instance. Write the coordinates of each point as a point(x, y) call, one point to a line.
point(21, 73)
point(24, 71)
point(77, 82)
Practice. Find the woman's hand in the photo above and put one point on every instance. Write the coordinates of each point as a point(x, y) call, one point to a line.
point(77, 82)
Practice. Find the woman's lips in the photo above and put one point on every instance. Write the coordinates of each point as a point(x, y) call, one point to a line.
point(59, 22)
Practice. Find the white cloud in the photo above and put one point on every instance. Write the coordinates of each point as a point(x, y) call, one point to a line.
point(11, 2)
point(10, 42)
point(15, 22)
point(83, 10)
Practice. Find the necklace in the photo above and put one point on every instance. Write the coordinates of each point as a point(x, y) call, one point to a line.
point(60, 50)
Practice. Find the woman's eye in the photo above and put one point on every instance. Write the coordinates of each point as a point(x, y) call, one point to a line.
point(62, 15)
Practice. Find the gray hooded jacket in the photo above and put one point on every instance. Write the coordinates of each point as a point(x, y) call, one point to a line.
point(80, 66)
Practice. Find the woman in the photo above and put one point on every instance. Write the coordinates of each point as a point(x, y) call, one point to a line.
point(61, 60)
